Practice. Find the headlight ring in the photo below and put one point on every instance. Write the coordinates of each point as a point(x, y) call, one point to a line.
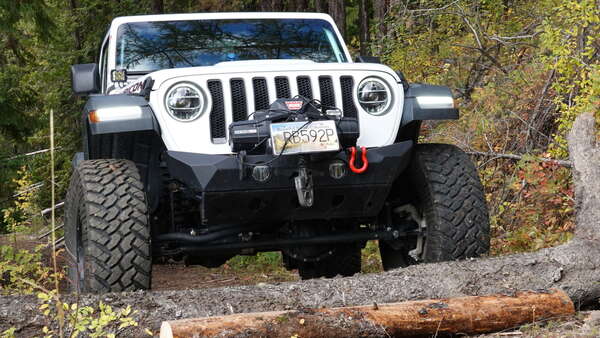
point(185, 102)
point(374, 96)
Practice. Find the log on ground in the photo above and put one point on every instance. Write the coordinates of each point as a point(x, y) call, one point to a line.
point(467, 315)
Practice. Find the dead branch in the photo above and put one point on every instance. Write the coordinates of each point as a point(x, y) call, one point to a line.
point(516, 157)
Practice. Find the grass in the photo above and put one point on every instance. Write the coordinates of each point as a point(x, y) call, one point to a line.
point(264, 262)
point(371, 260)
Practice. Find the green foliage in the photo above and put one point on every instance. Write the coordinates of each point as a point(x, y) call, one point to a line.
point(17, 217)
point(21, 270)
point(86, 321)
point(570, 39)
point(264, 262)
point(522, 72)
point(370, 258)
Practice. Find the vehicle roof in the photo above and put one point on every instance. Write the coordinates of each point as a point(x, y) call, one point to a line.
point(222, 15)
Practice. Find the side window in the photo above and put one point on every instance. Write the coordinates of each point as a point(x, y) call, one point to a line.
point(104, 65)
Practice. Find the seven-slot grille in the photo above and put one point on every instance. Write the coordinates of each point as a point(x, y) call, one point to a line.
point(240, 95)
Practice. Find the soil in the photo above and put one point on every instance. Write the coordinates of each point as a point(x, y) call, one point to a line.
point(195, 277)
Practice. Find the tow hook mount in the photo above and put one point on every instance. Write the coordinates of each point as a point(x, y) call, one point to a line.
point(304, 187)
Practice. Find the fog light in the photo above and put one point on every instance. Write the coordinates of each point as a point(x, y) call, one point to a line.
point(337, 169)
point(261, 173)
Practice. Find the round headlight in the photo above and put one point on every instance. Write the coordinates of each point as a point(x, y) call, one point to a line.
point(184, 102)
point(374, 96)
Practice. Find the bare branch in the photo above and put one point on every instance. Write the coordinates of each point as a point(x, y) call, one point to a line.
point(516, 157)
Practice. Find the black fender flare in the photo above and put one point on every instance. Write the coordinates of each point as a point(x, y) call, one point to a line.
point(143, 120)
point(437, 107)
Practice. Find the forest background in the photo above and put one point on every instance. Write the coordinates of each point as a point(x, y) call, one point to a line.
point(520, 70)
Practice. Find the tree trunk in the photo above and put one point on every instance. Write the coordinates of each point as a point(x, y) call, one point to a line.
point(380, 8)
point(76, 31)
point(363, 24)
point(319, 8)
point(573, 267)
point(158, 6)
point(337, 10)
point(297, 5)
point(467, 315)
point(271, 5)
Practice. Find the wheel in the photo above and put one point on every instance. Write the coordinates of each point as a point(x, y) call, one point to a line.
point(448, 204)
point(344, 261)
point(106, 228)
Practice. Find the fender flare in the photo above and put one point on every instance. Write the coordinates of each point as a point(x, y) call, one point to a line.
point(142, 120)
point(428, 102)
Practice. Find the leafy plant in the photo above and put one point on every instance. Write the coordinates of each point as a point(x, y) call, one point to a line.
point(16, 218)
point(21, 269)
point(83, 320)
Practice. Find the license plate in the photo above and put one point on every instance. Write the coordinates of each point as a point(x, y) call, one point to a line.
point(317, 136)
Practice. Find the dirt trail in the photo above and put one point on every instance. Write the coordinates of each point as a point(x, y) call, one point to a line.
point(181, 277)
point(176, 276)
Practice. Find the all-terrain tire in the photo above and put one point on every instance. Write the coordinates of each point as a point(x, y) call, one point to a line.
point(449, 195)
point(345, 261)
point(107, 231)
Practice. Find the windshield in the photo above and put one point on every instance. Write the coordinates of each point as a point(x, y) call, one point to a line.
point(150, 46)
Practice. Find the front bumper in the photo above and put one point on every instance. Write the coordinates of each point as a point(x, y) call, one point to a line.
point(229, 195)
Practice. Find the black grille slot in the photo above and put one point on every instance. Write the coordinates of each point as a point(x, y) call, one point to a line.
point(347, 82)
point(326, 88)
point(217, 114)
point(282, 87)
point(261, 94)
point(238, 100)
point(304, 87)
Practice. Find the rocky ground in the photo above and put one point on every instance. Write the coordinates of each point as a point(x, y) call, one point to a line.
point(183, 292)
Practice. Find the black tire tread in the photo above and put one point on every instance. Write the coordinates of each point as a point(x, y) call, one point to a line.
point(452, 196)
point(110, 201)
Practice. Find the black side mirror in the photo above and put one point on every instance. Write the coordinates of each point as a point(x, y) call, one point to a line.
point(367, 59)
point(85, 79)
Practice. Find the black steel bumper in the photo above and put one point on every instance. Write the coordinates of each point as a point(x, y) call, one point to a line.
point(228, 193)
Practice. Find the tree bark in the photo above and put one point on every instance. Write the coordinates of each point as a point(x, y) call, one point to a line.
point(76, 31)
point(319, 8)
point(363, 25)
point(271, 5)
point(380, 8)
point(573, 267)
point(158, 6)
point(337, 10)
point(297, 5)
point(467, 315)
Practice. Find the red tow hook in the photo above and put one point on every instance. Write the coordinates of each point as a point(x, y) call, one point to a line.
point(365, 162)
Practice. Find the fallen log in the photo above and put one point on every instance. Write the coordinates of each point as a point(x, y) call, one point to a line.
point(573, 267)
point(466, 315)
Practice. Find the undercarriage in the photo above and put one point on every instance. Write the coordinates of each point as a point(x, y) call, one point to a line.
point(231, 209)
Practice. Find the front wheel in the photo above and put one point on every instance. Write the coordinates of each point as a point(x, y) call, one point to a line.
point(448, 204)
point(106, 228)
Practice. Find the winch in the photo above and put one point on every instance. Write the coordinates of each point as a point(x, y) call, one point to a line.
point(254, 135)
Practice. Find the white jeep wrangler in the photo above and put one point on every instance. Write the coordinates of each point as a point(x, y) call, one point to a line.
point(211, 135)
